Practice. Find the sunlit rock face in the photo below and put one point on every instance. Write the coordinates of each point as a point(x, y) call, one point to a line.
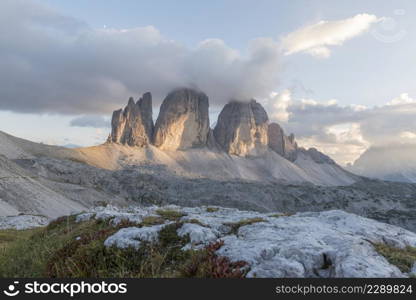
point(183, 121)
point(133, 126)
point(242, 128)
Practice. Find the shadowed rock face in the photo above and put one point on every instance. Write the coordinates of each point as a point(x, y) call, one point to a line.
point(133, 126)
point(280, 143)
point(183, 121)
point(242, 128)
point(317, 156)
point(276, 138)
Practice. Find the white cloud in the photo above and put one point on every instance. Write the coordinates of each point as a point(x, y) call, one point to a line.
point(404, 98)
point(344, 132)
point(277, 105)
point(317, 38)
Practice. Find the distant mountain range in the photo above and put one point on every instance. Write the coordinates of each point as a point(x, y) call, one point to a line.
point(391, 162)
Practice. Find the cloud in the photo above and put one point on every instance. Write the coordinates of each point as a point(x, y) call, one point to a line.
point(317, 38)
point(50, 62)
point(90, 121)
point(53, 63)
point(344, 132)
point(404, 98)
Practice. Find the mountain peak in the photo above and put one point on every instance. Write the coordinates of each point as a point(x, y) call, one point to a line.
point(242, 128)
point(183, 121)
point(133, 126)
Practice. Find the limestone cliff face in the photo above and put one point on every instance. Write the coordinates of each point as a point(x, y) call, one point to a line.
point(183, 121)
point(133, 126)
point(291, 147)
point(280, 143)
point(242, 128)
point(276, 138)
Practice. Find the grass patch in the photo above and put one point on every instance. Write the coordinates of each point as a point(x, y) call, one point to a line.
point(10, 236)
point(286, 214)
point(32, 256)
point(212, 209)
point(235, 226)
point(401, 258)
point(67, 249)
point(170, 215)
point(206, 264)
point(152, 220)
point(195, 221)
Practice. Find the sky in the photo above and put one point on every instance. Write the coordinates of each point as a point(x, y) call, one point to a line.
point(337, 75)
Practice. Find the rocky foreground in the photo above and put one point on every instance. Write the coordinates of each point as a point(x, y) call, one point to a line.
point(319, 244)
point(173, 241)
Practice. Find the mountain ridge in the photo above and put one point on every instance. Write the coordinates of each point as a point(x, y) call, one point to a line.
point(389, 162)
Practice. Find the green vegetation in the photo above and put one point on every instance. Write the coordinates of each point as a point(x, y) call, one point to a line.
point(170, 215)
point(11, 236)
point(276, 215)
point(212, 209)
point(195, 221)
point(281, 215)
point(401, 258)
point(152, 220)
point(68, 249)
point(237, 225)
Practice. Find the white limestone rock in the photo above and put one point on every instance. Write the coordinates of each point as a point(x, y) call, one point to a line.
point(22, 222)
point(413, 270)
point(198, 234)
point(311, 244)
point(134, 236)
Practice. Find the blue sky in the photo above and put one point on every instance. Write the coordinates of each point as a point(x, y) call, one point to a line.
point(369, 69)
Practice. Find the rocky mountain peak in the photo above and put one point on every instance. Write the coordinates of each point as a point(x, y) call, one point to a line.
point(133, 126)
point(280, 143)
point(242, 128)
point(183, 121)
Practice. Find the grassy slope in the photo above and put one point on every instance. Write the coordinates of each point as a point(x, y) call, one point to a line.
point(68, 249)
